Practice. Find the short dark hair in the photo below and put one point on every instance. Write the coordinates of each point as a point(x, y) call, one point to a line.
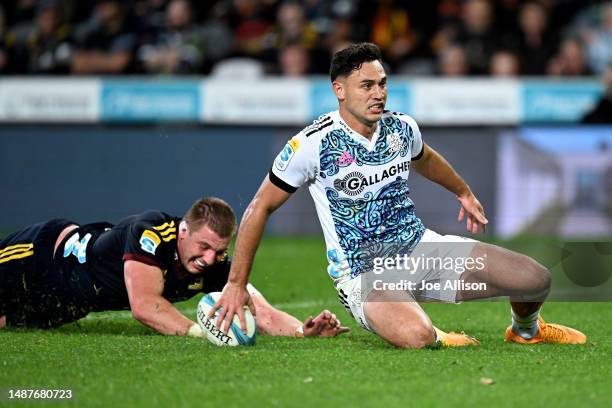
point(214, 213)
point(351, 58)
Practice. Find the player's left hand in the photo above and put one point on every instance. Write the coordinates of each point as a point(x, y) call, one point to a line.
point(471, 207)
point(324, 325)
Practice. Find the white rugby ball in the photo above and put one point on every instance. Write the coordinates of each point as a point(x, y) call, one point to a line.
point(235, 336)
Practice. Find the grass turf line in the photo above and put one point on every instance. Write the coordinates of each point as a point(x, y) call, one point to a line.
point(116, 361)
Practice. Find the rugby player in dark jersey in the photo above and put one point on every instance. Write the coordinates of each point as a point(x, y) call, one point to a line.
point(57, 272)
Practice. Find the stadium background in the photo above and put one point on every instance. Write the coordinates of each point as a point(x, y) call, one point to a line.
point(90, 141)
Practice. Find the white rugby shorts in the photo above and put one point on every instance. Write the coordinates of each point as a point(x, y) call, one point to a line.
point(353, 292)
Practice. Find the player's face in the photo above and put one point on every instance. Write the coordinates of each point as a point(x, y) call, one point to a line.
point(363, 93)
point(200, 248)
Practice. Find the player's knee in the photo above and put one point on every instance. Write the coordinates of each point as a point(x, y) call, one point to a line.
point(534, 277)
point(540, 276)
point(417, 337)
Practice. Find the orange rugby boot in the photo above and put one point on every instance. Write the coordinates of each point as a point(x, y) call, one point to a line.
point(453, 339)
point(548, 333)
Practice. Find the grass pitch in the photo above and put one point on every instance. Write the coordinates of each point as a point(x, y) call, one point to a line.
point(108, 359)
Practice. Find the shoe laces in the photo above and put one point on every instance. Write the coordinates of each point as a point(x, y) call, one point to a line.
point(553, 332)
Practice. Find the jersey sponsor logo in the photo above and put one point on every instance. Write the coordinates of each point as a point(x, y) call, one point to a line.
point(333, 255)
point(345, 159)
point(283, 159)
point(354, 182)
point(77, 247)
point(338, 264)
point(149, 241)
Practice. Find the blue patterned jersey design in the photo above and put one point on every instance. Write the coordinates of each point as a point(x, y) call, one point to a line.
point(364, 224)
point(377, 221)
point(337, 142)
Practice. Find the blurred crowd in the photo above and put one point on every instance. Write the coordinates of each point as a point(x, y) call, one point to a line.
point(289, 37)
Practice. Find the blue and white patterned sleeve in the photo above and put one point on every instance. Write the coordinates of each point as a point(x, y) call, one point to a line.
point(417, 140)
point(296, 163)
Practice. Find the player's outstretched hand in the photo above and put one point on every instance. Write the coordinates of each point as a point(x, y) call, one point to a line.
point(471, 207)
point(324, 325)
point(232, 301)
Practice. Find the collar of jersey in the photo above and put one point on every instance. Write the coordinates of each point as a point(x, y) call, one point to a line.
point(367, 143)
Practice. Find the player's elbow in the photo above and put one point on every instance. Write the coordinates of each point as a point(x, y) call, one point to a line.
point(268, 199)
point(264, 321)
point(142, 312)
point(139, 314)
point(259, 207)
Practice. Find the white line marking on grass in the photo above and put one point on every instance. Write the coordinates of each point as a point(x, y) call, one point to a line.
point(126, 314)
point(305, 304)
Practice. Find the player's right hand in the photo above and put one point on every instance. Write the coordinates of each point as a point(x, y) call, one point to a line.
point(234, 298)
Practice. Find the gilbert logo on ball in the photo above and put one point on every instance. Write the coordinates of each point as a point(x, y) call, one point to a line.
point(234, 336)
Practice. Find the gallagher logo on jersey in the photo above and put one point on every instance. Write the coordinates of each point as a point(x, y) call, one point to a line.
point(354, 182)
point(283, 159)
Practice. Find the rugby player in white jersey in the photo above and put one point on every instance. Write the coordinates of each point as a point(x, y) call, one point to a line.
point(355, 162)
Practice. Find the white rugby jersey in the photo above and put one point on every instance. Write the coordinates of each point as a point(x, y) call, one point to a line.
point(359, 186)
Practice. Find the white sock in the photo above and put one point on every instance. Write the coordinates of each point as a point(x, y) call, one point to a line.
point(437, 341)
point(525, 326)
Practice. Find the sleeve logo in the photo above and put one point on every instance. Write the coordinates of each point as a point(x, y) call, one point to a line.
point(283, 159)
point(294, 143)
point(149, 241)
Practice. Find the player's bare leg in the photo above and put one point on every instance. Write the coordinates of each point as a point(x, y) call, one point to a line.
point(403, 323)
point(526, 283)
point(2, 321)
point(507, 273)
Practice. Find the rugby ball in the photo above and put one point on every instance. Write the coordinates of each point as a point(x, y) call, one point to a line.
point(235, 336)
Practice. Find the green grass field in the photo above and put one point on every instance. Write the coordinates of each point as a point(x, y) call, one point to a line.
point(108, 359)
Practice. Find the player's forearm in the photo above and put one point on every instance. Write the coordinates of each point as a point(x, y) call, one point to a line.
point(274, 322)
point(160, 315)
point(434, 167)
point(248, 239)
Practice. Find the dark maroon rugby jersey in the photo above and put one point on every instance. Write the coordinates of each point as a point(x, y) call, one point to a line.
point(150, 238)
